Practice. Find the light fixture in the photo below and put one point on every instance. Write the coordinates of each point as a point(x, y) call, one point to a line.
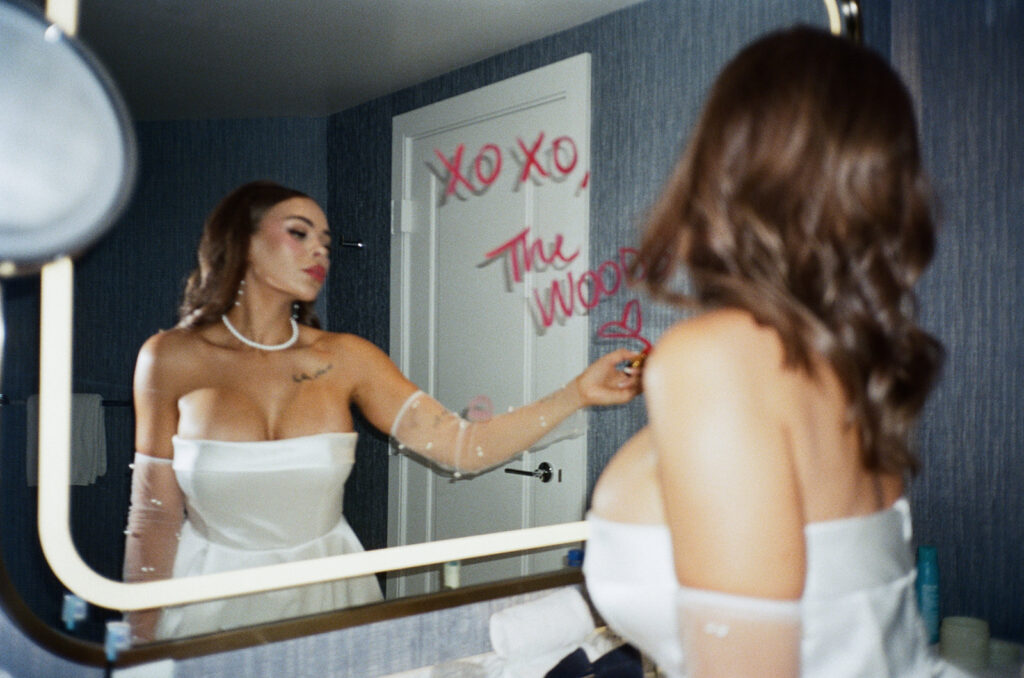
point(67, 149)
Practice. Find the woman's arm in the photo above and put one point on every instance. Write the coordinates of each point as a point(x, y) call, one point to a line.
point(420, 423)
point(157, 507)
point(730, 495)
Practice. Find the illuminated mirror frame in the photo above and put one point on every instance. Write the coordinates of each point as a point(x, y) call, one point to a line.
point(56, 303)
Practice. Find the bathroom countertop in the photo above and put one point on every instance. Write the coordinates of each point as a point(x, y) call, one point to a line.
point(491, 665)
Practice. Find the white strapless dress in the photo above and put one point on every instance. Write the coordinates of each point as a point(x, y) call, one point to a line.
point(860, 618)
point(261, 503)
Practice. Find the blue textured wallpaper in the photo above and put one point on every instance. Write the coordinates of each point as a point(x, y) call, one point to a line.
point(964, 63)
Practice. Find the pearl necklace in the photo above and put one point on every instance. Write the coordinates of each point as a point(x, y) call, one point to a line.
point(263, 347)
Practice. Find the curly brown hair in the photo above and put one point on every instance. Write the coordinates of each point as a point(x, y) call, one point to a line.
point(223, 253)
point(801, 199)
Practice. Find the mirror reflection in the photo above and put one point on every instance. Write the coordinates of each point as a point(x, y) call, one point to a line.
point(131, 285)
point(244, 432)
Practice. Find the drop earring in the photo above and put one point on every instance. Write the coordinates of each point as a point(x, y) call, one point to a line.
point(241, 291)
point(296, 307)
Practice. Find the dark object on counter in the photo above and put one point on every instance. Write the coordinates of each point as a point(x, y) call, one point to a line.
point(622, 662)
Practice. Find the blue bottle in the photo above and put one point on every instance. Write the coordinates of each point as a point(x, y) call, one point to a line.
point(928, 590)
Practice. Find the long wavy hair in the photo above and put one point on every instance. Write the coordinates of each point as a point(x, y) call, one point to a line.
point(212, 287)
point(801, 200)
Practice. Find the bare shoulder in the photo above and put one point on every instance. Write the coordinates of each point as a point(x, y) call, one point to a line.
point(356, 345)
point(364, 365)
point(170, 348)
point(348, 348)
point(717, 367)
point(167, 361)
point(720, 345)
point(174, 338)
point(722, 451)
point(378, 387)
point(180, 357)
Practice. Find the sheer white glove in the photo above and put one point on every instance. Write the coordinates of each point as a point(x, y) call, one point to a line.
point(428, 428)
point(151, 538)
point(462, 447)
point(730, 636)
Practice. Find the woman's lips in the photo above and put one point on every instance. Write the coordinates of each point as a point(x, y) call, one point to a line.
point(318, 272)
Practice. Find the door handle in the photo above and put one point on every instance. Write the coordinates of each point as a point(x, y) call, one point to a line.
point(544, 472)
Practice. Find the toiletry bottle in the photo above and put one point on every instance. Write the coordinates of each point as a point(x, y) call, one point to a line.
point(928, 590)
point(451, 574)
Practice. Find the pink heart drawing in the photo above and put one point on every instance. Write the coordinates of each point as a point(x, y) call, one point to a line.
point(628, 327)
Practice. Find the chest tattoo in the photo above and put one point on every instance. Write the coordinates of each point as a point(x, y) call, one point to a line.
point(305, 376)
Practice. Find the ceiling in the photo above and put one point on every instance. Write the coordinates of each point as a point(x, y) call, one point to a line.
point(175, 59)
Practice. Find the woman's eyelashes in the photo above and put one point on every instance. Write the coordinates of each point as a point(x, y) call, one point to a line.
point(301, 234)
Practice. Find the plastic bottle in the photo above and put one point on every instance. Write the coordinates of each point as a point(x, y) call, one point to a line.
point(73, 610)
point(451, 574)
point(928, 590)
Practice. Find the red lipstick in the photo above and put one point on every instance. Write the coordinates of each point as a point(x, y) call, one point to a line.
point(318, 272)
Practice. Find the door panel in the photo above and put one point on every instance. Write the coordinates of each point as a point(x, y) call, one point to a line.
point(485, 186)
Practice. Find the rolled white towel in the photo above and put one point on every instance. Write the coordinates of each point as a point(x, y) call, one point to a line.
point(555, 622)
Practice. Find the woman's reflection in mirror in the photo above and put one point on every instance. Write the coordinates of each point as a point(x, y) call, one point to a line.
point(244, 430)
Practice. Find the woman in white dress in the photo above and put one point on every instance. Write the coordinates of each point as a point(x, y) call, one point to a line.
point(244, 431)
point(756, 526)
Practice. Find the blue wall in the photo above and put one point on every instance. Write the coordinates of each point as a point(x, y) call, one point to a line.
point(964, 62)
point(127, 288)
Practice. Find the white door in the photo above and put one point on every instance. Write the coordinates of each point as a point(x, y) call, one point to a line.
point(490, 211)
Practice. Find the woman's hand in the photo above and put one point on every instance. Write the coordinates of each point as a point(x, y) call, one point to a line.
point(603, 383)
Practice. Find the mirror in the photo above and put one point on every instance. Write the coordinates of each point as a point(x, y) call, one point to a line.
point(329, 154)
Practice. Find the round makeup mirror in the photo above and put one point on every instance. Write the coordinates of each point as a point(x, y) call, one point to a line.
point(68, 160)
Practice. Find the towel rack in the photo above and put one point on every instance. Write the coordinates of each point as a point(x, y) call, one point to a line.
point(6, 400)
